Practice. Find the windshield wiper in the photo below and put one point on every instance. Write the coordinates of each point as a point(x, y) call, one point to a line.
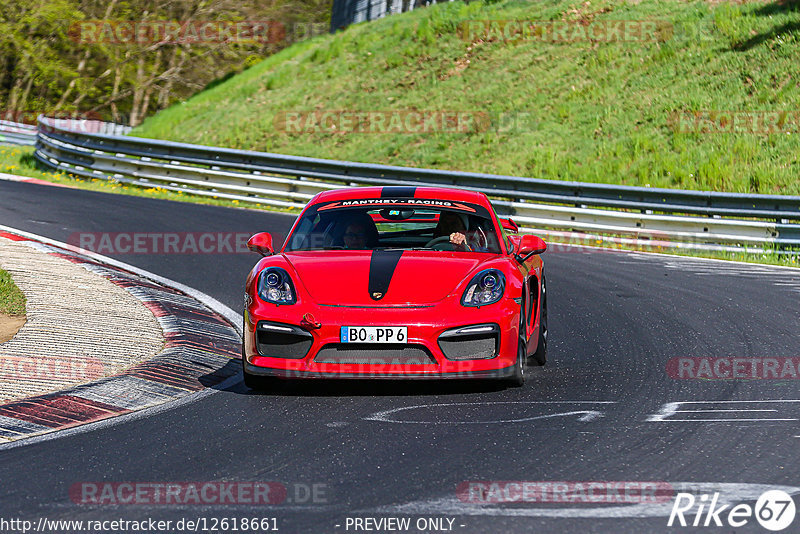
point(402, 248)
point(329, 247)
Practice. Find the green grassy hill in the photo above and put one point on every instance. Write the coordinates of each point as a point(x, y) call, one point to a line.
point(596, 111)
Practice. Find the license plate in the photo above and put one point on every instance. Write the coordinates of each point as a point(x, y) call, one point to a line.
point(374, 334)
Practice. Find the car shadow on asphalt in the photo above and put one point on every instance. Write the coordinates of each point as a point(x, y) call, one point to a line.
point(229, 378)
point(368, 388)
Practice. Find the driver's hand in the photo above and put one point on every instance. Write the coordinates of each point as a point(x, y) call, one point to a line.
point(457, 238)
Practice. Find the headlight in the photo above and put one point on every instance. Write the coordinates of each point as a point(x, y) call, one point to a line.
point(486, 287)
point(275, 285)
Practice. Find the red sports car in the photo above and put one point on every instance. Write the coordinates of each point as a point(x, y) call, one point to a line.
point(396, 282)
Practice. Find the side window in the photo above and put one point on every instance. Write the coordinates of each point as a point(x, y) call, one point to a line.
point(310, 233)
point(503, 233)
point(299, 237)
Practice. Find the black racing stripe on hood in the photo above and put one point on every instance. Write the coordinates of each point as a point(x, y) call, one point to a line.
point(381, 269)
point(393, 191)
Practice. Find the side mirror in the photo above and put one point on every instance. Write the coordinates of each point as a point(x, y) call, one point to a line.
point(530, 245)
point(510, 225)
point(261, 243)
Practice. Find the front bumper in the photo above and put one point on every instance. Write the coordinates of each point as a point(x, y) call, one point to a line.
point(377, 374)
point(317, 351)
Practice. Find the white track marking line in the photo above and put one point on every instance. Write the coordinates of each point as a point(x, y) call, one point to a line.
point(667, 410)
point(730, 401)
point(715, 411)
point(662, 256)
point(737, 420)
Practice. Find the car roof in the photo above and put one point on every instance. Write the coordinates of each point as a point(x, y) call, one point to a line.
point(441, 193)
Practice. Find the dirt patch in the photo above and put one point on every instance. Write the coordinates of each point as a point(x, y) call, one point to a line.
point(9, 326)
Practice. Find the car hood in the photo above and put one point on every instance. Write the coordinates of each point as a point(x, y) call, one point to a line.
point(352, 278)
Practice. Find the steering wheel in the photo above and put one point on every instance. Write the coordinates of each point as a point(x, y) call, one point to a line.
point(440, 241)
point(479, 239)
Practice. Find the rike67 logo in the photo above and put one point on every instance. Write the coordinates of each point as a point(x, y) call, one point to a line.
point(774, 510)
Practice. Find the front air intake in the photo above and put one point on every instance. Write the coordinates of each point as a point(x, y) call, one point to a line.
point(277, 340)
point(478, 342)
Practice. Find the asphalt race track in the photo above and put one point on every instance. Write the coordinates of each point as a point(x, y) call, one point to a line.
point(599, 411)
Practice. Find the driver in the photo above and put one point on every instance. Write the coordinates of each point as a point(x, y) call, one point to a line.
point(451, 224)
point(360, 233)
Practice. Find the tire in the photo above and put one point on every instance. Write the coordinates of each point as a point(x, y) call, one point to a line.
point(540, 356)
point(518, 377)
point(258, 383)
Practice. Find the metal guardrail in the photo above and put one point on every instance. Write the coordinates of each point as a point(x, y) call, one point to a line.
point(694, 219)
point(17, 134)
point(25, 134)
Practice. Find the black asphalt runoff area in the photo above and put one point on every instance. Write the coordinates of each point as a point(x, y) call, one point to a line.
point(378, 449)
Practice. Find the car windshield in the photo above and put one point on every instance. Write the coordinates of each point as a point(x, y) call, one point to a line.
point(466, 229)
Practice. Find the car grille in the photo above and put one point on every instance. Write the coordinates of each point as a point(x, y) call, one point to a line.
point(375, 354)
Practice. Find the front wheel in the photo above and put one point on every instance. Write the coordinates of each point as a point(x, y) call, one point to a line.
point(540, 356)
point(256, 382)
point(518, 377)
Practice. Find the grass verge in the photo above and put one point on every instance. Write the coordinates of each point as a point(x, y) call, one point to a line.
point(590, 110)
point(12, 301)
